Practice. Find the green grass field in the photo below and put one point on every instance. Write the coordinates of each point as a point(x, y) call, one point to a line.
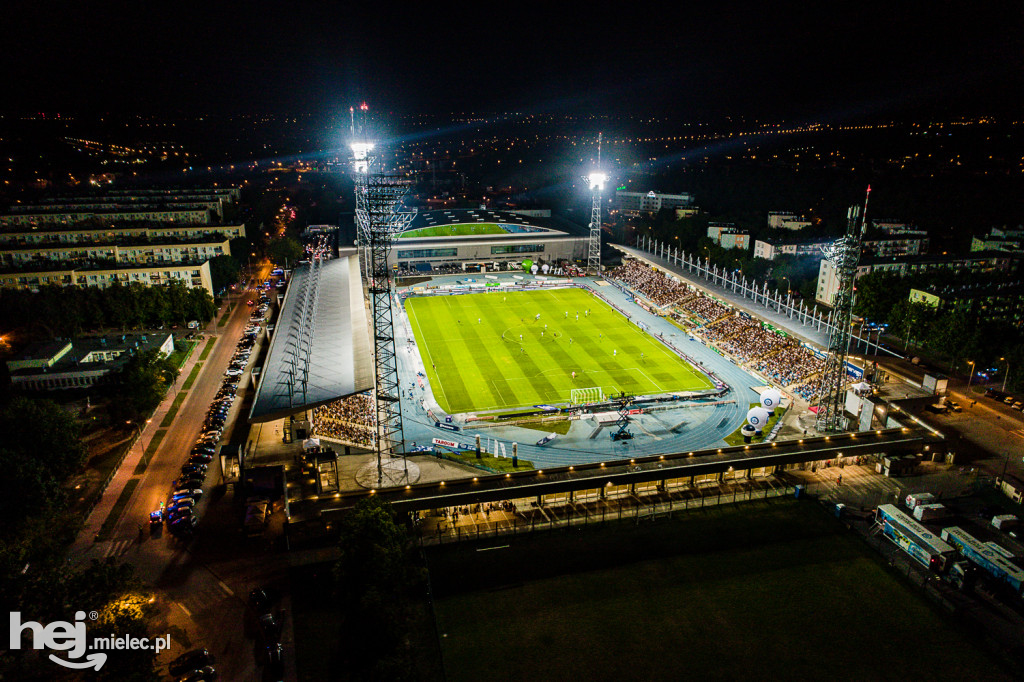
point(453, 230)
point(488, 351)
point(773, 591)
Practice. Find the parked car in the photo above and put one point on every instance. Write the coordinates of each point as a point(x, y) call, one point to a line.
point(268, 628)
point(183, 503)
point(204, 674)
point(188, 481)
point(273, 657)
point(186, 525)
point(189, 661)
point(194, 493)
point(200, 459)
point(232, 372)
point(259, 602)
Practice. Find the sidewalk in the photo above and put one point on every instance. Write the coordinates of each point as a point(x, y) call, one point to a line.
point(85, 545)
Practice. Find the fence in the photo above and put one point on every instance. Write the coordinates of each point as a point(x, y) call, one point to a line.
point(575, 514)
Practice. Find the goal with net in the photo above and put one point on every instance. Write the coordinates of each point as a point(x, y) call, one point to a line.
point(582, 396)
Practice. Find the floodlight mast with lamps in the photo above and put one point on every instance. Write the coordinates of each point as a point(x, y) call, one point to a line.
point(379, 215)
point(844, 253)
point(595, 181)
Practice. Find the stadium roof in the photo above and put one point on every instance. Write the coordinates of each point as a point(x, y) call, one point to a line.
point(340, 360)
point(507, 219)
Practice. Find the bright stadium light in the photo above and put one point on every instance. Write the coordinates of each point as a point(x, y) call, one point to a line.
point(360, 151)
point(597, 180)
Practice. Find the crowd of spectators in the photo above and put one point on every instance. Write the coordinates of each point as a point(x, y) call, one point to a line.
point(705, 307)
point(809, 390)
point(780, 359)
point(650, 283)
point(792, 363)
point(350, 420)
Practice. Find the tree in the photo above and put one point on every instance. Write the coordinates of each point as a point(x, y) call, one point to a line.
point(877, 295)
point(224, 271)
point(142, 384)
point(376, 577)
point(285, 251)
point(40, 446)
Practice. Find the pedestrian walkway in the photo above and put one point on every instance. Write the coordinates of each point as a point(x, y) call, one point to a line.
point(85, 546)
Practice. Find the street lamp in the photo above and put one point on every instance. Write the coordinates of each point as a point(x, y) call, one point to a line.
point(1007, 374)
point(970, 378)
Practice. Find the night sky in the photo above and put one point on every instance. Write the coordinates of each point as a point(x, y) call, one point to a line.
point(821, 60)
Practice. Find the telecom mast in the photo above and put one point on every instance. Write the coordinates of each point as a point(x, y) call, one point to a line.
point(596, 181)
point(379, 217)
point(844, 254)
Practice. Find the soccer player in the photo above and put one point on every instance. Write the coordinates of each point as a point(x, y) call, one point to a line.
point(615, 352)
point(478, 320)
point(538, 317)
point(574, 375)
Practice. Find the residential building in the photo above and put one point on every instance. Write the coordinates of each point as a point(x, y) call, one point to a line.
point(1000, 239)
point(64, 364)
point(770, 248)
point(828, 279)
point(786, 220)
point(139, 250)
point(993, 301)
point(728, 236)
point(105, 274)
point(99, 233)
point(896, 245)
point(45, 218)
point(635, 203)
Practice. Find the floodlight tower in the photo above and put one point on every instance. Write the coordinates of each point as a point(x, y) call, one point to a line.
point(844, 254)
point(596, 181)
point(380, 216)
point(362, 148)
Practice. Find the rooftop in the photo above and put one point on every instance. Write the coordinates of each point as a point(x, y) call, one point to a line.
point(336, 335)
point(489, 223)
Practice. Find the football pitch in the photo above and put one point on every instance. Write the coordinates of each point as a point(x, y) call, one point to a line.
point(457, 230)
point(491, 351)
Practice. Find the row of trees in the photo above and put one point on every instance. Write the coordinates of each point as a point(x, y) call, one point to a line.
point(66, 311)
point(953, 335)
point(40, 449)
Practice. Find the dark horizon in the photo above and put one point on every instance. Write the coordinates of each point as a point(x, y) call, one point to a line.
point(756, 61)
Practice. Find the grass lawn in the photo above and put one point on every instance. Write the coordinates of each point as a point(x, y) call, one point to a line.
point(736, 437)
point(561, 427)
point(117, 510)
point(173, 410)
point(209, 346)
point(488, 351)
point(500, 464)
point(775, 590)
point(453, 230)
point(192, 376)
point(158, 437)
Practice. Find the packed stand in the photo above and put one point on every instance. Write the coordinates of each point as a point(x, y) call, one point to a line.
point(350, 420)
point(791, 364)
point(649, 282)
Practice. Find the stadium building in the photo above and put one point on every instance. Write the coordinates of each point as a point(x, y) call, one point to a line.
point(474, 239)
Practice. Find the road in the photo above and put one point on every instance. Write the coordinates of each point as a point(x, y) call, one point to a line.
point(202, 584)
point(989, 424)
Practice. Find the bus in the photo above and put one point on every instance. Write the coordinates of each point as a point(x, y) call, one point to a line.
point(914, 539)
point(990, 560)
